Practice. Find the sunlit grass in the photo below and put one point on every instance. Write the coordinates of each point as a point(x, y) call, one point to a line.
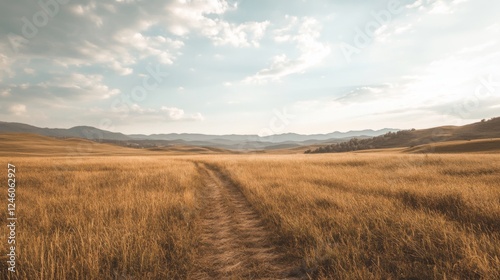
point(348, 216)
point(106, 218)
point(366, 216)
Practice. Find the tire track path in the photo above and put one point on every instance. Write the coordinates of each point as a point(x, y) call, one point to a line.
point(235, 244)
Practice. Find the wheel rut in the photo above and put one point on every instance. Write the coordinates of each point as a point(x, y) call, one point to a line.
point(234, 242)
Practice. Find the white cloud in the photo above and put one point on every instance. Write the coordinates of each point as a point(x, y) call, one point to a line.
point(445, 6)
point(17, 109)
point(196, 16)
point(141, 114)
point(440, 7)
point(5, 92)
point(403, 28)
point(164, 49)
point(106, 34)
point(415, 4)
point(136, 108)
point(494, 27)
point(173, 113)
point(177, 114)
point(83, 85)
point(5, 66)
point(62, 89)
point(305, 34)
point(117, 35)
point(243, 35)
point(477, 48)
point(29, 70)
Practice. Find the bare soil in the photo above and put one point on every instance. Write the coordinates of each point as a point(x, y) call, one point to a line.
point(235, 243)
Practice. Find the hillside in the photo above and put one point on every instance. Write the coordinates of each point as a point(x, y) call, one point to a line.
point(458, 146)
point(231, 142)
point(411, 138)
point(24, 144)
point(85, 132)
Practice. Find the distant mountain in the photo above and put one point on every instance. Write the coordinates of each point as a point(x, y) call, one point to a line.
point(411, 138)
point(85, 132)
point(237, 142)
point(279, 138)
point(317, 143)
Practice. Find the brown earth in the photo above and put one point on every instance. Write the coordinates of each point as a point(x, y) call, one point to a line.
point(235, 243)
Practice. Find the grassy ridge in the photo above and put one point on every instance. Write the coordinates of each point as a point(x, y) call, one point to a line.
point(380, 216)
point(486, 129)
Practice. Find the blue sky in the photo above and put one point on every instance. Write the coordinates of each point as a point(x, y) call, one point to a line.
point(249, 67)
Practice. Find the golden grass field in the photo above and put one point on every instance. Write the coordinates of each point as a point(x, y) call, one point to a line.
point(333, 216)
point(380, 216)
point(105, 218)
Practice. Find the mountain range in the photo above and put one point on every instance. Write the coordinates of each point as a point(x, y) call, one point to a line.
point(239, 142)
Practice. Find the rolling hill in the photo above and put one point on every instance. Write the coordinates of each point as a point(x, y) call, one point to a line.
point(233, 142)
point(411, 138)
point(85, 132)
point(458, 146)
point(32, 140)
point(25, 144)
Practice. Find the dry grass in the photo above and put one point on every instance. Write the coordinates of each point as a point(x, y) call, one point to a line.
point(375, 216)
point(22, 144)
point(105, 218)
point(347, 216)
point(462, 146)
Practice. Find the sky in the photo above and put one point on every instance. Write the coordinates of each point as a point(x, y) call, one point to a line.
point(249, 66)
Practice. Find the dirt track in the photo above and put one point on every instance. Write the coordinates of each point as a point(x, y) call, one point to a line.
point(234, 242)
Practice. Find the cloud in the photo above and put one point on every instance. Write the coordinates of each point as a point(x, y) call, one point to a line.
point(137, 114)
point(91, 51)
point(17, 109)
point(62, 89)
point(442, 6)
point(243, 35)
point(173, 113)
point(305, 34)
point(145, 46)
point(5, 92)
point(477, 48)
point(29, 71)
point(416, 4)
point(176, 114)
point(81, 33)
point(118, 34)
point(203, 17)
point(5, 65)
point(367, 94)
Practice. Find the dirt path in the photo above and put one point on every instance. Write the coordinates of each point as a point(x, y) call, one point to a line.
point(234, 242)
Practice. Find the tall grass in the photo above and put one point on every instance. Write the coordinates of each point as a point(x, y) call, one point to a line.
point(349, 216)
point(365, 216)
point(106, 218)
